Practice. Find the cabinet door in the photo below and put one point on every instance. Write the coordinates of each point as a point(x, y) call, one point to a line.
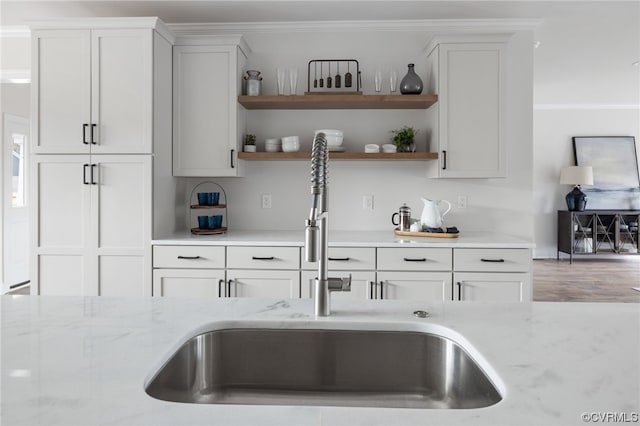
point(415, 285)
point(121, 224)
point(471, 105)
point(60, 91)
point(189, 283)
point(205, 110)
point(268, 284)
point(363, 285)
point(121, 91)
point(493, 287)
point(60, 224)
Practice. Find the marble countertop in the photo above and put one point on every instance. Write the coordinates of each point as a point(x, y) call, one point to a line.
point(344, 239)
point(84, 361)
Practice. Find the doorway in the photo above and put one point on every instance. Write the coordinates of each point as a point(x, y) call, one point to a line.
point(15, 154)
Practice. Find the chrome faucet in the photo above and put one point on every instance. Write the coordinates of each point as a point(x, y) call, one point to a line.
point(316, 230)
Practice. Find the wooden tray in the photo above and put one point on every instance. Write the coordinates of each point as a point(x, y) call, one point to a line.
point(198, 231)
point(425, 234)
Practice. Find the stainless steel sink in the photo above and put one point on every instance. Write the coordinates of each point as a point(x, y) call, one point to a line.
point(358, 368)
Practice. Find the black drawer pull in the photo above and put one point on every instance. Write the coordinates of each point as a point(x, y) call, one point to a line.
point(459, 290)
point(340, 259)
point(262, 258)
point(84, 134)
point(220, 282)
point(84, 174)
point(189, 257)
point(408, 259)
point(381, 290)
point(492, 260)
point(93, 128)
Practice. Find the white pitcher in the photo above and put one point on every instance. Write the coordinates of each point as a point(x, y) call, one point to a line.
point(431, 216)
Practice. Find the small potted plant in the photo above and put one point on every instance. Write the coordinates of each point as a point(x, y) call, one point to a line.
point(404, 139)
point(250, 143)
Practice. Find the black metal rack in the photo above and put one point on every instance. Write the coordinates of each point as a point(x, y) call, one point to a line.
point(335, 77)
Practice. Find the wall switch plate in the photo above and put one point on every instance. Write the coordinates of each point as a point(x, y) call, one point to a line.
point(462, 201)
point(266, 201)
point(367, 202)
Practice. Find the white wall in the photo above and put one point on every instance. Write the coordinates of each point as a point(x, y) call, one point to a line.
point(500, 205)
point(584, 85)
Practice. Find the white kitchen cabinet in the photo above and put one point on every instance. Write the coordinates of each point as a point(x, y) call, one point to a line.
point(492, 287)
point(414, 285)
point(492, 274)
point(92, 91)
point(208, 122)
point(189, 283)
point(91, 222)
point(189, 271)
point(469, 119)
point(263, 283)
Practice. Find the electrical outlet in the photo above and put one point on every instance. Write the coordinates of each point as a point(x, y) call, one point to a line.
point(462, 201)
point(266, 201)
point(367, 202)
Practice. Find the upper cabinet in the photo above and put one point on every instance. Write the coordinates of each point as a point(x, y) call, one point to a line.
point(468, 122)
point(206, 115)
point(92, 91)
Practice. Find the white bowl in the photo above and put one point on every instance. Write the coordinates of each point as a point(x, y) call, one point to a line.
point(371, 148)
point(388, 148)
point(290, 144)
point(334, 137)
point(272, 145)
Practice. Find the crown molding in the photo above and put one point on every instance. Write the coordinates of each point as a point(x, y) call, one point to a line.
point(429, 25)
point(15, 31)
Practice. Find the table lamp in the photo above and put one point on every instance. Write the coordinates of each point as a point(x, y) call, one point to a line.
point(576, 176)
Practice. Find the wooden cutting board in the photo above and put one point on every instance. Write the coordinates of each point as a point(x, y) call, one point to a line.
point(425, 234)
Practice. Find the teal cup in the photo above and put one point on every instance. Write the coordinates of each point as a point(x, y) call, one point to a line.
point(215, 222)
point(203, 222)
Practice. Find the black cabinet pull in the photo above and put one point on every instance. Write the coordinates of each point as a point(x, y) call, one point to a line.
point(188, 257)
point(459, 290)
point(228, 288)
point(93, 182)
point(381, 289)
point(492, 260)
point(84, 134)
point(444, 159)
point(84, 174)
point(232, 165)
point(93, 141)
point(340, 259)
point(372, 293)
point(262, 258)
point(220, 281)
point(408, 259)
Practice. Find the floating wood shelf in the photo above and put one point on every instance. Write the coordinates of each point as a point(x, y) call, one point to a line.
point(339, 102)
point(402, 156)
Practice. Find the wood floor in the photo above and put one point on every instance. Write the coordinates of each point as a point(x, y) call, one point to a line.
point(586, 280)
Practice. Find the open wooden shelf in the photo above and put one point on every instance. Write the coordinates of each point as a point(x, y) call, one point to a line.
point(330, 101)
point(402, 156)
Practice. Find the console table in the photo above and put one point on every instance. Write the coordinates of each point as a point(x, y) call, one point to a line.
point(598, 232)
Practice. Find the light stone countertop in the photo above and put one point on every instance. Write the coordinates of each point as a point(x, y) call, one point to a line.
point(84, 361)
point(344, 239)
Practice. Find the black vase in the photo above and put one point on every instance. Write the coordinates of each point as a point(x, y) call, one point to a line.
point(576, 200)
point(411, 83)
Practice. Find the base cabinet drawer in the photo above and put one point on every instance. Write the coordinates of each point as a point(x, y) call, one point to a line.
point(492, 287)
point(264, 283)
point(258, 257)
point(199, 257)
point(414, 259)
point(347, 258)
point(363, 284)
point(414, 286)
point(188, 283)
point(492, 260)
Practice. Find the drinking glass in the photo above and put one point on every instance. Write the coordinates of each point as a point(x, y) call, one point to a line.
point(378, 81)
point(280, 80)
point(293, 80)
point(393, 82)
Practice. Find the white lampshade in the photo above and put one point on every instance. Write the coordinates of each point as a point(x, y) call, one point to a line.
point(576, 175)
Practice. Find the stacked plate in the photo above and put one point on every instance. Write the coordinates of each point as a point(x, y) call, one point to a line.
point(388, 148)
point(272, 145)
point(371, 148)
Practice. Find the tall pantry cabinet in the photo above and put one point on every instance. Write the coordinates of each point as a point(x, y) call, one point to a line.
point(101, 98)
